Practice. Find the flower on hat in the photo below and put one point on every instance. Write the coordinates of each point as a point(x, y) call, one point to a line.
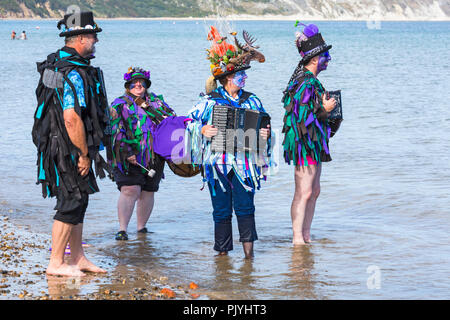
point(132, 71)
point(127, 76)
point(220, 53)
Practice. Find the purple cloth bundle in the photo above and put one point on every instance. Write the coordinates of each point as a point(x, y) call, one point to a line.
point(168, 138)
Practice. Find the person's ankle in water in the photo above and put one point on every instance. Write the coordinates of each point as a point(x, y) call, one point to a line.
point(248, 249)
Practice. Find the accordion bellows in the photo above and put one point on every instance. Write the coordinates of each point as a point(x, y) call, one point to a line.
point(335, 118)
point(238, 129)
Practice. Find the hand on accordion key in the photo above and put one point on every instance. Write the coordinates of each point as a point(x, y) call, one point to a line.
point(209, 131)
point(328, 104)
point(265, 132)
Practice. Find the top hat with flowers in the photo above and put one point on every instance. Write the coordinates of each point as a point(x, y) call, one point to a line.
point(226, 58)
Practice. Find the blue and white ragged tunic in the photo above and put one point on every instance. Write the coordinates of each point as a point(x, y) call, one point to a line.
point(249, 168)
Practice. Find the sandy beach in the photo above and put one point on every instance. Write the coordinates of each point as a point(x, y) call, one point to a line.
point(24, 256)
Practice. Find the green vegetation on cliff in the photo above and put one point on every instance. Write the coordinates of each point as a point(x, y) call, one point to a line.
point(103, 8)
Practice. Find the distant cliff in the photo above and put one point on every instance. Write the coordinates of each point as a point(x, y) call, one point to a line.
point(301, 9)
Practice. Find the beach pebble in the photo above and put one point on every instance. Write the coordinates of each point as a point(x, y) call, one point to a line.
point(168, 293)
point(193, 285)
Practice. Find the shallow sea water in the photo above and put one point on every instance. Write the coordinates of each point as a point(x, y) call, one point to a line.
point(381, 225)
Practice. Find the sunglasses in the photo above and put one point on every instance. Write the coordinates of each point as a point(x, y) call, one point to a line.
point(134, 83)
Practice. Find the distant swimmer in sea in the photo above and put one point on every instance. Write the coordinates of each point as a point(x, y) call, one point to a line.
point(23, 36)
point(13, 35)
point(70, 128)
point(137, 169)
point(306, 128)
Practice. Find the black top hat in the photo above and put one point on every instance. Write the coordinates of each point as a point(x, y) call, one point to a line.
point(78, 23)
point(312, 47)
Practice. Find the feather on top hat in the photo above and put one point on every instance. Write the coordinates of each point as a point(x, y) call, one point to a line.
point(310, 42)
point(78, 23)
point(136, 73)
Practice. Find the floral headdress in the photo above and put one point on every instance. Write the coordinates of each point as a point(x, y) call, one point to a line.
point(226, 58)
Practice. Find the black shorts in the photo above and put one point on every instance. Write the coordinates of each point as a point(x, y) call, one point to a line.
point(70, 210)
point(135, 177)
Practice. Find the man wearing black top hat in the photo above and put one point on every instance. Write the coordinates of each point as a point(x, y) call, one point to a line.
point(71, 126)
point(306, 128)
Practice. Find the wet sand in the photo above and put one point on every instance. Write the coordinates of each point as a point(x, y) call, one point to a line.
point(24, 257)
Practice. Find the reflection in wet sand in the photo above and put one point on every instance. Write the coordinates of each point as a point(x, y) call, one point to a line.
point(301, 282)
point(65, 287)
point(231, 280)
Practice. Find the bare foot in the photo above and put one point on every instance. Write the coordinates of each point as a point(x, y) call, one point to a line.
point(299, 243)
point(85, 265)
point(64, 270)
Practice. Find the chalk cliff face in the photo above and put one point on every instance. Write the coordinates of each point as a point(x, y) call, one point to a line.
point(298, 9)
point(355, 9)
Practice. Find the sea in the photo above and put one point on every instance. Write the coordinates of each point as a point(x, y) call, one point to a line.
point(381, 224)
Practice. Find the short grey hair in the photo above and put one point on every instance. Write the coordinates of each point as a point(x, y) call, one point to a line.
point(70, 39)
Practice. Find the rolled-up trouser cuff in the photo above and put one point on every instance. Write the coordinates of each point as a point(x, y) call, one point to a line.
point(223, 236)
point(247, 228)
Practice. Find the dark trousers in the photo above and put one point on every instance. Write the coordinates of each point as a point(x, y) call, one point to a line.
point(237, 198)
point(71, 210)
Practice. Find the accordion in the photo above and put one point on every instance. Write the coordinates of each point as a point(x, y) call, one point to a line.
point(335, 118)
point(238, 129)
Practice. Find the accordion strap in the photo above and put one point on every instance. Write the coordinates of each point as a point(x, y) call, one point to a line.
point(244, 96)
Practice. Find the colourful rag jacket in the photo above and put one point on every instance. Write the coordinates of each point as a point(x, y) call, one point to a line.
point(133, 122)
point(57, 156)
point(305, 121)
point(249, 168)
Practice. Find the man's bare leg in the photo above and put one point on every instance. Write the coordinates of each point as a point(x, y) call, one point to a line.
point(304, 180)
point(311, 207)
point(78, 259)
point(60, 237)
